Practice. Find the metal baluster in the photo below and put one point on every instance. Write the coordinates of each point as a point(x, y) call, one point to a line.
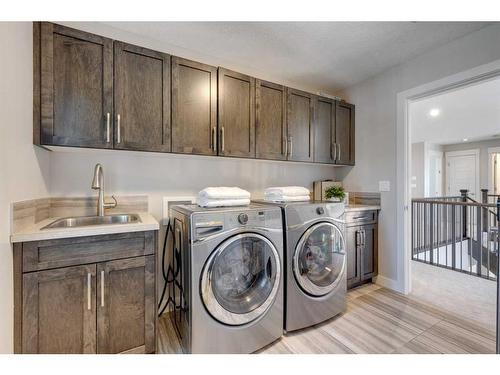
point(454, 236)
point(498, 273)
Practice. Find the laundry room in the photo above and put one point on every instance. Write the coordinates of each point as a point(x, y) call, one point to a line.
point(183, 186)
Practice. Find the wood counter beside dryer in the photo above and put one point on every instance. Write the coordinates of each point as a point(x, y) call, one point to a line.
point(87, 289)
point(94, 92)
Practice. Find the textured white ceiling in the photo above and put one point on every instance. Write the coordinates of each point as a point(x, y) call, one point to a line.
point(472, 112)
point(326, 56)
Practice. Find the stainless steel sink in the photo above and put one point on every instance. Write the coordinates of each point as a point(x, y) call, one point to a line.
point(85, 221)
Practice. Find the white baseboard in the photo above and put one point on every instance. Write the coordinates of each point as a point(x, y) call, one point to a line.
point(388, 283)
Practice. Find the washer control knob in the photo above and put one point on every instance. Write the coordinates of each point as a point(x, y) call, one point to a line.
point(243, 218)
point(320, 210)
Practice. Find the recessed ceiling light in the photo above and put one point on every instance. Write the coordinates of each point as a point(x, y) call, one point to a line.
point(434, 112)
point(465, 139)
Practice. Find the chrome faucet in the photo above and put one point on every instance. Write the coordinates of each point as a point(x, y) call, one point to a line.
point(98, 184)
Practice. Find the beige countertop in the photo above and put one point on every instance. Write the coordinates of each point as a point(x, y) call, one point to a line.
point(35, 233)
point(361, 207)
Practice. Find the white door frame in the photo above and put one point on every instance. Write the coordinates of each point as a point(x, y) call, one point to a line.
point(491, 150)
point(403, 156)
point(476, 153)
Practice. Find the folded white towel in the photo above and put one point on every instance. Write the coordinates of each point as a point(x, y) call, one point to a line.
point(291, 191)
point(224, 193)
point(286, 198)
point(206, 202)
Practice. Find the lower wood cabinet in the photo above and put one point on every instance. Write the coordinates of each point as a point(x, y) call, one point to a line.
point(103, 307)
point(362, 248)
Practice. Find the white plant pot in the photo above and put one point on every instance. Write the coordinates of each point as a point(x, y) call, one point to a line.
point(335, 200)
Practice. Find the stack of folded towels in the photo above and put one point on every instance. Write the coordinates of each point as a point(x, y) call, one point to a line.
point(286, 194)
point(223, 197)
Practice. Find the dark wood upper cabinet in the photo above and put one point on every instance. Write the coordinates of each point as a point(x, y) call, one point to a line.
point(236, 114)
point(324, 131)
point(344, 133)
point(75, 83)
point(194, 107)
point(59, 311)
point(270, 121)
point(142, 99)
point(300, 125)
point(126, 306)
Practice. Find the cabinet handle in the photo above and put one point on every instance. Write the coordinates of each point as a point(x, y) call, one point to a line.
point(339, 158)
point(291, 147)
point(118, 130)
point(89, 291)
point(285, 148)
point(334, 157)
point(108, 119)
point(102, 288)
point(222, 147)
point(214, 139)
point(363, 236)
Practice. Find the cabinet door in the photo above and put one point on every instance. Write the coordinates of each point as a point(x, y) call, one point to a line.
point(194, 107)
point(76, 83)
point(270, 121)
point(344, 133)
point(369, 256)
point(142, 99)
point(300, 118)
point(236, 114)
point(353, 242)
point(324, 131)
point(126, 307)
point(59, 311)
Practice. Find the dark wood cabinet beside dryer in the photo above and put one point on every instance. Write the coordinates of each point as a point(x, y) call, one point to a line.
point(324, 131)
point(344, 133)
point(236, 114)
point(300, 125)
point(362, 247)
point(73, 85)
point(141, 98)
point(270, 121)
point(86, 295)
point(194, 107)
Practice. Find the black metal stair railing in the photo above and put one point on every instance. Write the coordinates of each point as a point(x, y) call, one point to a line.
point(460, 234)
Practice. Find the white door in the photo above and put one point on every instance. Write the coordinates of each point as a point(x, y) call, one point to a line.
point(494, 171)
point(462, 172)
point(434, 184)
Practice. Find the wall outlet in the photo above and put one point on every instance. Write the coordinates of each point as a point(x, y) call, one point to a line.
point(384, 186)
point(172, 201)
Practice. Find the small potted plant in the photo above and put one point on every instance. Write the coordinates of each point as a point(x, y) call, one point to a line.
point(335, 193)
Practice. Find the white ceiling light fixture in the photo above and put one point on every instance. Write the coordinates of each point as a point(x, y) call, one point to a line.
point(465, 139)
point(434, 112)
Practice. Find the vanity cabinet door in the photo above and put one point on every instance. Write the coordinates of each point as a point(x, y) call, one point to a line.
point(59, 311)
point(353, 243)
point(324, 131)
point(236, 114)
point(300, 124)
point(126, 307)
point(369, 256)
point(270, 121)
point(344, 133)
point(142, 99)
point(73, 87)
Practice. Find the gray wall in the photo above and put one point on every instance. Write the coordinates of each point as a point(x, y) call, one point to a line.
point(376, 108)
point(24, 168)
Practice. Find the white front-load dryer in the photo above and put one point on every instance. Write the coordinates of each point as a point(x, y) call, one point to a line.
point(229, 291)
point(316, 262)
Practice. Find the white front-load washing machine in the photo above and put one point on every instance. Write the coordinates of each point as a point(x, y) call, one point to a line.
point(229, 288)
point(316, 262)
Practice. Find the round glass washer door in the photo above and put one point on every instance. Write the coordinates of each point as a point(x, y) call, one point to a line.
point(240, 279)
point(319, 259)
